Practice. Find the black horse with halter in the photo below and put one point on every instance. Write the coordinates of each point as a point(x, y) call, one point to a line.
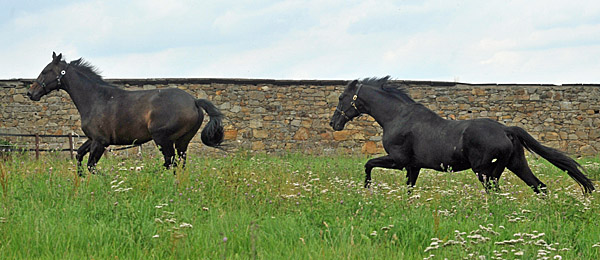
point(416, 137)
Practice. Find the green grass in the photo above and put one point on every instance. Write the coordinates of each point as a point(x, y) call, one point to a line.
point(286, 207)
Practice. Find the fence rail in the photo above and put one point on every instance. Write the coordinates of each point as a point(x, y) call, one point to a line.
point(38, 149)
point(34, 135)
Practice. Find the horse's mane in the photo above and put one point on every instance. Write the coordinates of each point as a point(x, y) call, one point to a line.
point(391, 88)
point(87, 69)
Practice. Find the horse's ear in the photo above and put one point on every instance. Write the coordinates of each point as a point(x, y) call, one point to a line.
point(55, 58)
point(353, 83)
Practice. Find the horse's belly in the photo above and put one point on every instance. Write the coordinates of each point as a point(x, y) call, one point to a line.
point(130, 136)
point(130, 141)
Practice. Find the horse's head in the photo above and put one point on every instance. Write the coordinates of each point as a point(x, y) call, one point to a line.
point(49, 79)
point(347, 107)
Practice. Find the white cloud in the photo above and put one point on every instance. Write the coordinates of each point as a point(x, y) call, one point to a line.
point(491, 41)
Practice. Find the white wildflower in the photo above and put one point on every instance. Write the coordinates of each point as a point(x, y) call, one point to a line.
point(429, 248)
point(428, 258)
point(185, 225)
point(387, 228)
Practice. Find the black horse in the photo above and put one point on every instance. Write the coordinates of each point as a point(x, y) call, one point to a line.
point(113, 116)
point(415, 137)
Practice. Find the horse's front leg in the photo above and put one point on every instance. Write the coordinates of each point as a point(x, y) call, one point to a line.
point(382, 162)
point(96, 151)
point(81, 152)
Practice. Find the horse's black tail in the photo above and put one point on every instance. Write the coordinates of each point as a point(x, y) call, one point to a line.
point(556, 157)
point(212, 134)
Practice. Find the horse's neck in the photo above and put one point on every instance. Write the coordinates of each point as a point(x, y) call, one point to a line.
point(397, 113)
point(386, 110)
point(85, 94)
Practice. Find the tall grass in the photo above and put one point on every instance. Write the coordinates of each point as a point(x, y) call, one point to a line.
point(286, 207)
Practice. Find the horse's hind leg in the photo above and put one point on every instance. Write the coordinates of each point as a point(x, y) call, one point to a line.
point(383, 162)
point(166, 147)
point(81, 152)
point(181, 147)
point(497, 169)
point(518, 165)
point(182, 144)
point(412, 174)
point(490, 173)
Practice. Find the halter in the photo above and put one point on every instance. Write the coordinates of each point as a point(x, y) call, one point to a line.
point(352, 103)
point(58, 80)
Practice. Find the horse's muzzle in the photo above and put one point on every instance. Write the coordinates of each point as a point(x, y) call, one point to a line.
point(339, 126)
point(30, 93)
point(336, 122)
point(33, 97)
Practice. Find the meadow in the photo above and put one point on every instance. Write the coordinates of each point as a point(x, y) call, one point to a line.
point(295, 206)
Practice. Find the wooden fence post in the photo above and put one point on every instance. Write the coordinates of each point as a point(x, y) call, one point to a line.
point(37, 146)
point(71, 145)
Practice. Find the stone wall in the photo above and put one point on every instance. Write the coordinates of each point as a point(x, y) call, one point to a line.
point(293, 115)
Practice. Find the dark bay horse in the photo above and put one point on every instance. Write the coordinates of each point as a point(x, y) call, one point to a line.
point(415, 137)
point(113, 116)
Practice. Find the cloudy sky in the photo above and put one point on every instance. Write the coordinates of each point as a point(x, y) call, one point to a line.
point(499, 41)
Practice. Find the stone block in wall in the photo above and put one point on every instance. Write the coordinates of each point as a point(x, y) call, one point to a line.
point(258, 146)
point(255, 124)
point(260, 133)
point(369, 147)
point(342, 135)
point(588, 150)
point(301, 134)
point(230, 134)
point(326, 136)
point(19, 98)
